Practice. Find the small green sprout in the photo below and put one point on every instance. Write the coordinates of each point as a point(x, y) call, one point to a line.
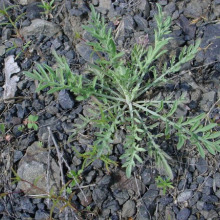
point(21, 128)
point(32, 122)
point(10, 21)
point(164, 184)
point(47, 6)
point(2, 129)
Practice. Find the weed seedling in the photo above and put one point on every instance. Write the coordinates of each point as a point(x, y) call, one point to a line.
point(31, 122)
point(118, 88)
point(14, 24)
point(47, 6)
point(164, 184)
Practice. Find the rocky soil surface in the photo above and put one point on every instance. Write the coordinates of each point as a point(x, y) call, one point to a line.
point(102, 194)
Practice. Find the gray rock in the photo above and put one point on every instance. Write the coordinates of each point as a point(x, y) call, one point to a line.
point(166, 200)
point(104, 6)
point(27, 205)
point(128, 209)
point(111, 204)
point(56, 43)
point(17, 155)
point(95, 2)
point(170, 8)
point(43, 131)
point(202, 165)
point(194, 199)
point(216, 10)
point(66, 99)
point(90, 176)
point(147, 177)
point(40, 27)
point(208, 100)
point(121, 196)
point(38, 105)
point(163, 2)
point(209, 181)
point(183, 214)
point(105, 181)
point(2, 50)
point(209, 198)
point(196, 8)
point(26, 23)
point(128, 24)
point(210, 38)
point(185, 195)
point(86, 53)
point(212, 214)
point(6, 34)
point(53, 110)
point(175, 15)
point(200, 205)
point(34, 165)
point(99, 195)
point(187, 28)
point(25, 2)
point(141, 23)
point(41, 215)
point(217, 193)
point(207, 190)
point(150, 196)
point(34, 11)
point(41, 206)
point(88, 195)
point(145, 212)
point(2, 207)
point(144, 6)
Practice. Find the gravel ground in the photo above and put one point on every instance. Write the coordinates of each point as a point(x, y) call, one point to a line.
point(103, 194)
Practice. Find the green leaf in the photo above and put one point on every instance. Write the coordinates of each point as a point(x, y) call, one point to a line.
point(80, 98)
point(161, 107)
point(210, 149)
point(128, 170)
point(138, 158)
point(32, 76)
point(167, 167)
point(55, 89)
point(201, 150)
point(214, 135)
point(180, 142)
point(35, 127)
point(36, 180)
point(118, 55)
point(167, 129)
point(206, 128)
point(173, 109)
point(194, 120)
point(195, 126)
point(2, 129)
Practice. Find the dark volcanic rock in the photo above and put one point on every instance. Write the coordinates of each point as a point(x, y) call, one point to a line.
point(99, 195)
point(183, 214)
point(141, 23)
point(211, 42)
point(129, 209)
point(202, 165)
point(184, 196)
point(66, 99)
point(188, 28)
point(34, 11)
